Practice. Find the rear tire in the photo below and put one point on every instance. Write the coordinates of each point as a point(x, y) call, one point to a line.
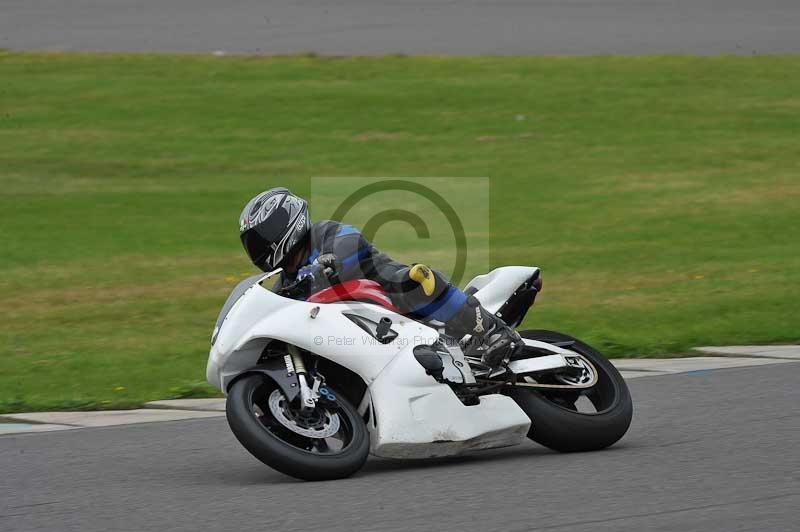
point(290, 453)
point(558, 425)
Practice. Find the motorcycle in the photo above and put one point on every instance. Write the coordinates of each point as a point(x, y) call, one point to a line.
point(314, 386)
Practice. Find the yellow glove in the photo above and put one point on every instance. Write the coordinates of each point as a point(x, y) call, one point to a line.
point(424, 276)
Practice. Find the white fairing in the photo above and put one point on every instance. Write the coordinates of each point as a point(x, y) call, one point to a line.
point(412, 414)
point(495, 287)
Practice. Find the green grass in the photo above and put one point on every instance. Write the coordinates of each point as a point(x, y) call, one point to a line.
point(660, 195)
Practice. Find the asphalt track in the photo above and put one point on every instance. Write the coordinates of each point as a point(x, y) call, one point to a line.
point(707, 451)
point(367, 27)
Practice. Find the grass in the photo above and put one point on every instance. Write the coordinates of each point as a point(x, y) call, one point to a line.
point(660, 195)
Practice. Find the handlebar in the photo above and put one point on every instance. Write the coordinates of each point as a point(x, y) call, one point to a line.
point(308, 284)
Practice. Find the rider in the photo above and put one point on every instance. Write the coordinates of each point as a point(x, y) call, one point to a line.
point(276, 232)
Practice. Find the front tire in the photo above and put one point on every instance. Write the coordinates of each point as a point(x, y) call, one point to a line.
point(555, 420)
point(253, 409)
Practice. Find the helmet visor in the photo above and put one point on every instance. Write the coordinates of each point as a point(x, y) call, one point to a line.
point(260, 241)
point(258, 248)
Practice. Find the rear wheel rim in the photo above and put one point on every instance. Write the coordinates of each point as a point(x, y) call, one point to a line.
point(602, 397)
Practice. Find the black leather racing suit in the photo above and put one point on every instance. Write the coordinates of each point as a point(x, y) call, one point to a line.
point(356, 258)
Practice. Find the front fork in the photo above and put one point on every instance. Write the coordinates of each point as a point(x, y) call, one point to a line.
point(308, 394)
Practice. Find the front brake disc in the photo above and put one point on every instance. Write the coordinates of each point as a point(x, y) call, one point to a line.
point(326, 425)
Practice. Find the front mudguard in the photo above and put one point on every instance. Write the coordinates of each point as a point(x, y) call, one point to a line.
point(276, 370)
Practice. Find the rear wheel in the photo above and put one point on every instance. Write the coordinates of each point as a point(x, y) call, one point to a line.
point(328, 443)
point(577, 420)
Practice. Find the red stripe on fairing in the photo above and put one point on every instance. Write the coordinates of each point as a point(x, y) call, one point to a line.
point(355, 290)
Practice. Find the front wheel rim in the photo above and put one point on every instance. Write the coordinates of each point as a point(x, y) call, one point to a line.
point(329, 431)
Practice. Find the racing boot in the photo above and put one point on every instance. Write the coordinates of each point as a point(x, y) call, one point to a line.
point(495, 340)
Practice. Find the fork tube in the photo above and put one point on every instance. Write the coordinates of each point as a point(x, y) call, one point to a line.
point(306, 396)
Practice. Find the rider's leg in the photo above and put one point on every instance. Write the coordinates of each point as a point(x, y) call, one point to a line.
point(497, 339)
point(425, 292)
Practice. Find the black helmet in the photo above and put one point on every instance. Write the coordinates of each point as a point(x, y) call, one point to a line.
point(272, 227)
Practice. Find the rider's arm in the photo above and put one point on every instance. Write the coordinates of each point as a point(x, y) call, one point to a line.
point(357, 258)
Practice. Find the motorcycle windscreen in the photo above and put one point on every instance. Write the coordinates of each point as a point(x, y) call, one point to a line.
point(237, 292)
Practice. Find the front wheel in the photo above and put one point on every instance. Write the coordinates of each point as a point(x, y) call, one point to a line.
point(330, 442)
point(577, 420)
